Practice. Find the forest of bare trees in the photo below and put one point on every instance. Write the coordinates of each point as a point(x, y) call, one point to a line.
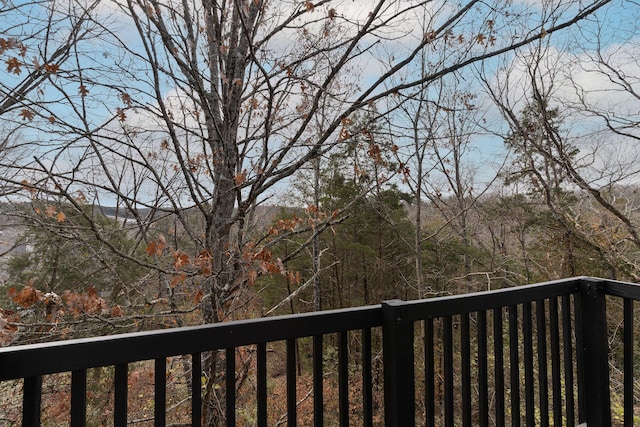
point(172, 163)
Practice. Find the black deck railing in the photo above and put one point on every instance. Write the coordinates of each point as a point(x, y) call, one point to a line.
point(541, 354)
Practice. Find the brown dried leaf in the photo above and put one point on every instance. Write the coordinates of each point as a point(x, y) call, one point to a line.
point(51, 211)
point(27, 114)
point(126, 99)
point(181, 259)
point(51, 68)
point(13, 65)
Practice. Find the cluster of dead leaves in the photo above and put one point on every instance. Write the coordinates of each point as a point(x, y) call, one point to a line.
point(55, 308)
point(202, 262)
point(51, 211)
point(70, 303)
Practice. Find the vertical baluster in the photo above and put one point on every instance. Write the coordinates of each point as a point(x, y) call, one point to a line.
point(483, 383)
point(465, 345)
point(514, 365)
point(196, 389)
point(318, 382)
point(567, 351)
point(291, 384)
point(79, 398)
point(31, 401)
point(160, 390)
point(429, 373)
point(343, 379)
point(543, 381)
point(448, 371)
point(555, 361)
point(230, 386)
point(367, 380)
point(527, 337)
point(261, 363)
point(498, 351)
point(579, 358)
point(121, 391)
point(628, 362)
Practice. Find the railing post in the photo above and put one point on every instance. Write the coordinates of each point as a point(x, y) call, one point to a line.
point(595, 355)
point(399, 383)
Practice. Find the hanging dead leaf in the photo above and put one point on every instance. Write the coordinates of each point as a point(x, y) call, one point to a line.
point(61, 217)
point(155, 247)
point(83, 90)
point(13, 65)
point(181, 259)
point(50, 211)
point(27, 114)
point(251, 277)
point(117, 311)
point(126, 99)
point(198, 297)
point(204, 262)
point(240, 177)
point(27, 297)
point(51, 68)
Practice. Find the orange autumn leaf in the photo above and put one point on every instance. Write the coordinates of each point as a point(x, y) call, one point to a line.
point(27, 297)
point(61, 217)
point(156, 247)
point(117, 311)
point(181, 259)
point(197, 298)
point(51, 211)
point(240, 177)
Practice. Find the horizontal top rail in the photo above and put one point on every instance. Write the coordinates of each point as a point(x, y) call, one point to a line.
point(622, 289)
point(487, 300)
point(64, 356)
